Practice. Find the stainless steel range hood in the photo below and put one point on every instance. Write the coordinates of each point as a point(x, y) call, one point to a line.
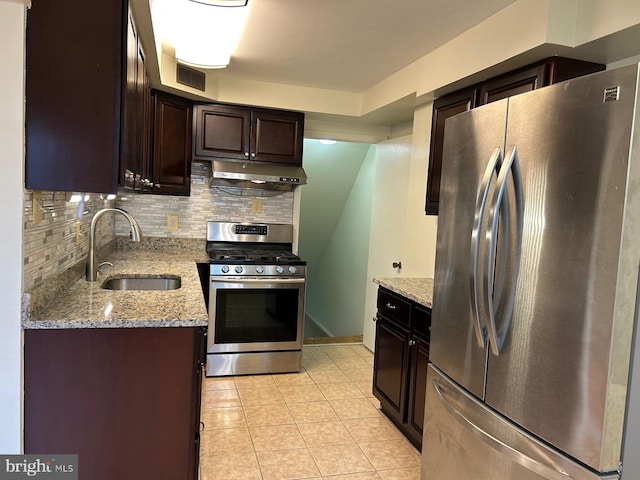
point(257, 175)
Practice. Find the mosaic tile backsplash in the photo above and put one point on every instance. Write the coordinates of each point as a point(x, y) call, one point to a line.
point(204, 203)
point(52, 247)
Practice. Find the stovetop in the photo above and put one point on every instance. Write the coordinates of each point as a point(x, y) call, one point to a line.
point(257, 257)
point(248, 250)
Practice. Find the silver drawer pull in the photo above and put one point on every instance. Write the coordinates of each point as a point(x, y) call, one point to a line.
point(391, 306)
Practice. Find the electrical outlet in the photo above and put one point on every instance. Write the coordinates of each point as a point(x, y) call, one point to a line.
point(256, 205)
point(36, 204)
point(172, 223)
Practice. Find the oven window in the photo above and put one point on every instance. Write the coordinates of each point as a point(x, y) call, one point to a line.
point(256, 315)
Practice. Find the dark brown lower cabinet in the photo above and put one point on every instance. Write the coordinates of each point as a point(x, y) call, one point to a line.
point(400, 362)
point(126, 400)
point(391, 364)
point(417, 391)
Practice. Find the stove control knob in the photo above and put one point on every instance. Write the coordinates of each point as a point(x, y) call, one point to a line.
point(225, 269)
point(260, 269)
point(280, 269)
point(238, 269)
point(293, 269)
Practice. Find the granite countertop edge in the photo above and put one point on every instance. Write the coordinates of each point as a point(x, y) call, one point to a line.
point(86, 305)
point(114, 323)
point(418, 289)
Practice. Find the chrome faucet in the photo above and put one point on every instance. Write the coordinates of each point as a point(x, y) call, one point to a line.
point(136, 236)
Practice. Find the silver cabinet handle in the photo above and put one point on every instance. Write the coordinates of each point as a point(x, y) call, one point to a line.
point(391, 306)
point(499, 209)
point(481, 204)
point(397, 264)
point(527, 462)
point(412, 343)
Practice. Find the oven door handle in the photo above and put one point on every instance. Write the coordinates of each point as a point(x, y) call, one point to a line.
point(261, 280)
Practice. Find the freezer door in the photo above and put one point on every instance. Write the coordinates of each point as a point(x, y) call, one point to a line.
point(463, 439)
point(473, 149)
point(562, 372)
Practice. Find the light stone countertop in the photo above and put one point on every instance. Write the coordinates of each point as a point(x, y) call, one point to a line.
point(419, 290)
point(86, 305)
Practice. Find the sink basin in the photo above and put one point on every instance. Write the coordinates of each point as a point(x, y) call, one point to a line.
point(143, 283)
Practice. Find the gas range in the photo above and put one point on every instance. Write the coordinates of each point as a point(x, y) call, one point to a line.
point(256, 299)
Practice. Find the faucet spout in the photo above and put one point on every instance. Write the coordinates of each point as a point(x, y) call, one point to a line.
point(92, 261)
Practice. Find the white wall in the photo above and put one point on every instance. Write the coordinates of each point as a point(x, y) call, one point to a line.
point(400, 230)
point(12, 18)
point(391, 180)
point(420, 229)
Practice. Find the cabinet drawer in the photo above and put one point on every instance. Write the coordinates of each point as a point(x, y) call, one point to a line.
point(393, 307)
point(421, 322)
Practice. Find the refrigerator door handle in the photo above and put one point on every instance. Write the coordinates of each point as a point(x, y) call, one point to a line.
point(481, 204)
point(526, 461)
point(510, 165)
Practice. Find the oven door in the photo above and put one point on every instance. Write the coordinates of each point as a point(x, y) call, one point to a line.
point(255, 314)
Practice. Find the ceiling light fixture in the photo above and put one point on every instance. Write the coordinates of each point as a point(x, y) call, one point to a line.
point(204, 33)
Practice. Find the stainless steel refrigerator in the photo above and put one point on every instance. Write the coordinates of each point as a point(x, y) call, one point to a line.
point(536, 286)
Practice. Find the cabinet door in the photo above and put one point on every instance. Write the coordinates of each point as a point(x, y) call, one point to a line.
point(200, 351)
point(520, 81)
point(147, 112)
point(443, 108)
point(142, 123)
point(277, 136)
point(74, 82)
point(221, 131)
point(172, 145)
point(129, 168)
point(547, 72)
point(390, 369)
point(122, 399)
point(417, 390)
point(561, 68)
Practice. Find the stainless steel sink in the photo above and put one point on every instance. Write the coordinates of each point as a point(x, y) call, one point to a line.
point(165, 282)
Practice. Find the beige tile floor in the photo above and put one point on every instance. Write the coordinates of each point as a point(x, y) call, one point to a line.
point(321, 423)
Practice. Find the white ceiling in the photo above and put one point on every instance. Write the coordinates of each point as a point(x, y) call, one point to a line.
point(347, 45)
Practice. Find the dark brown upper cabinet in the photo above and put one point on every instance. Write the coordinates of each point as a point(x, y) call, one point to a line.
point(548, 72)
point(135, 151)
point(171, 162)
point(247, 133)
point(443, 108)
point(541, 74)
point(76, 83)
